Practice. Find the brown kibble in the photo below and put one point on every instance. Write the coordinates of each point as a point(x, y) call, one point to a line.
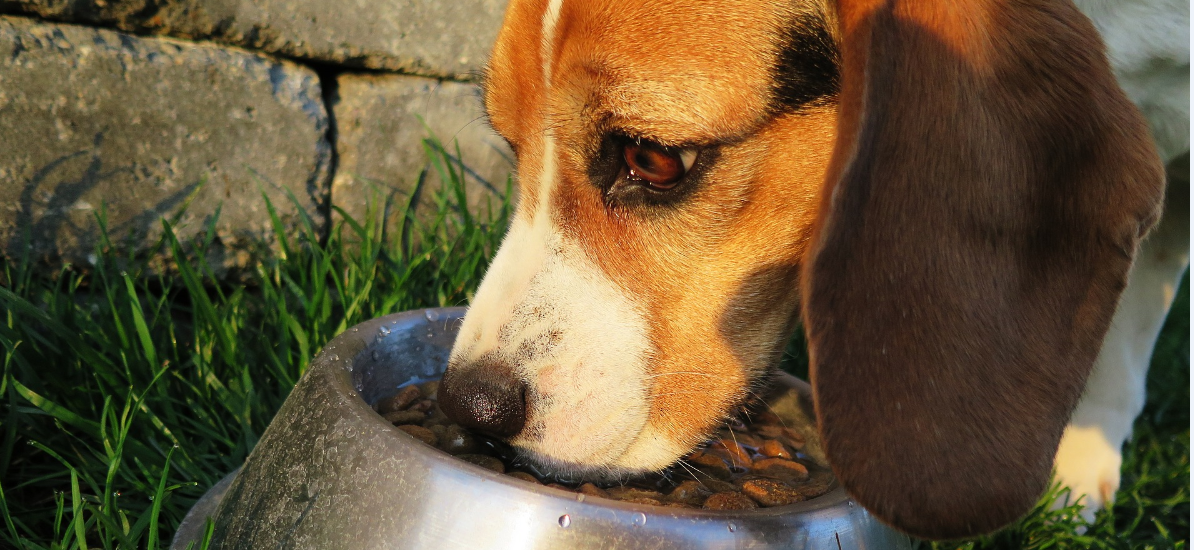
point(523, 476)
point(420, 433)
point(399, 401)
point(735, 454)
point(719, 486)
point(456, 440)
point(729, 501)
point(689, 492)
point(593, 491)
point(768, 492)
point(818, 483)
point(399, 418)
point(711, 465)
point(774, 449)
point(779, 468)
point(743, 439)
point(747, 466)
point(749, 440)
point(484, 461)
point(631, 493)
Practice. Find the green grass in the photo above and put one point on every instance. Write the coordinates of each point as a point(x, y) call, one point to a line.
point(126, 395)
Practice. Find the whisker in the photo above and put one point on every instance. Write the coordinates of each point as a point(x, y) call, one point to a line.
point(769, 407)
point(695, 472)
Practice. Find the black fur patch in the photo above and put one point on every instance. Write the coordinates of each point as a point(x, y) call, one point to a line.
point(807, 68)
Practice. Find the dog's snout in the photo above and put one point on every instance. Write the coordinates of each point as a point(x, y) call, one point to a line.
point(486, 397)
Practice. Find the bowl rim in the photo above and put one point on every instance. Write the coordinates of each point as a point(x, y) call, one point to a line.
point(834, 497)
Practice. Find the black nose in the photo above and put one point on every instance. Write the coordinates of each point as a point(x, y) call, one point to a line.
point(484, 396)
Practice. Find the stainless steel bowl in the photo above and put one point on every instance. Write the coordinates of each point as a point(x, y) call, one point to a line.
point(330, 473)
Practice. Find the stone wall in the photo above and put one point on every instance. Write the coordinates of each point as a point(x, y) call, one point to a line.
point(135, 109)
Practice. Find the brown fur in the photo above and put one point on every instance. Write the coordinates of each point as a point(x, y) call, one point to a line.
point(988, 186)
point(615, 69)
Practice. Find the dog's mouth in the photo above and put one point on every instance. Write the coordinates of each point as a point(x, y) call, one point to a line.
point(645, 457)
point(553, 469)
point(546, 468)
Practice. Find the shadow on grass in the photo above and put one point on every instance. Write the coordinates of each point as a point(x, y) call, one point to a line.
point(125, 394)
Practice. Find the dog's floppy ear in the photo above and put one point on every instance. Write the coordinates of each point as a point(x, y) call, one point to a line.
point(989, 185)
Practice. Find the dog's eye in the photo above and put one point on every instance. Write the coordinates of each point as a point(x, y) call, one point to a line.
point(657, 166)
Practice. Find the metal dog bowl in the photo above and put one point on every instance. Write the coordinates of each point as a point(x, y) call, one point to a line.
point(331, 473)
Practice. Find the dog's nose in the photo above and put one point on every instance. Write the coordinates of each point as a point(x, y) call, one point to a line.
point(486, 397)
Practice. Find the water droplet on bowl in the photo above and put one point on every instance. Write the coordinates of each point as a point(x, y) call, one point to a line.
point(431, 315)
point(384, 331)
point(580, 497)
point(640, 519)
point(732, 527)
point(376, 355)
point(565, 521)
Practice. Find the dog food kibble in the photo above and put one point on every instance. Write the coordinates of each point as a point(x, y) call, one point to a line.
point(743, 467)
point(399, 418)
point(485, 461)
point(691, 492)
point(420, 433)
point(732, 452)
point(592, 490)
point(630, 493)
point(457, 441)
point(774, 449)
point(769, 492)
point(731, 500)
point(399, 401)
point(779, 468)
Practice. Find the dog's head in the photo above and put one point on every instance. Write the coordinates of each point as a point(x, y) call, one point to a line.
point(950, 196)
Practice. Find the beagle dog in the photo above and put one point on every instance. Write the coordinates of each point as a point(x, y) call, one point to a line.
point(947, 195)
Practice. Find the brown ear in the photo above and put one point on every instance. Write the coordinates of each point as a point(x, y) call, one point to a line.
point(988, 189)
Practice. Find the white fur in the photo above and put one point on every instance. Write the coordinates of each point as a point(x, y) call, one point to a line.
point(1148, 46)
point(573, 335)
point(577, 339)
point(1098, 460)
point(547, 36)
point(1088, 459)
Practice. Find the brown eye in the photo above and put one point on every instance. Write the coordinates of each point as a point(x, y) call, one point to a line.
point(660, 167)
